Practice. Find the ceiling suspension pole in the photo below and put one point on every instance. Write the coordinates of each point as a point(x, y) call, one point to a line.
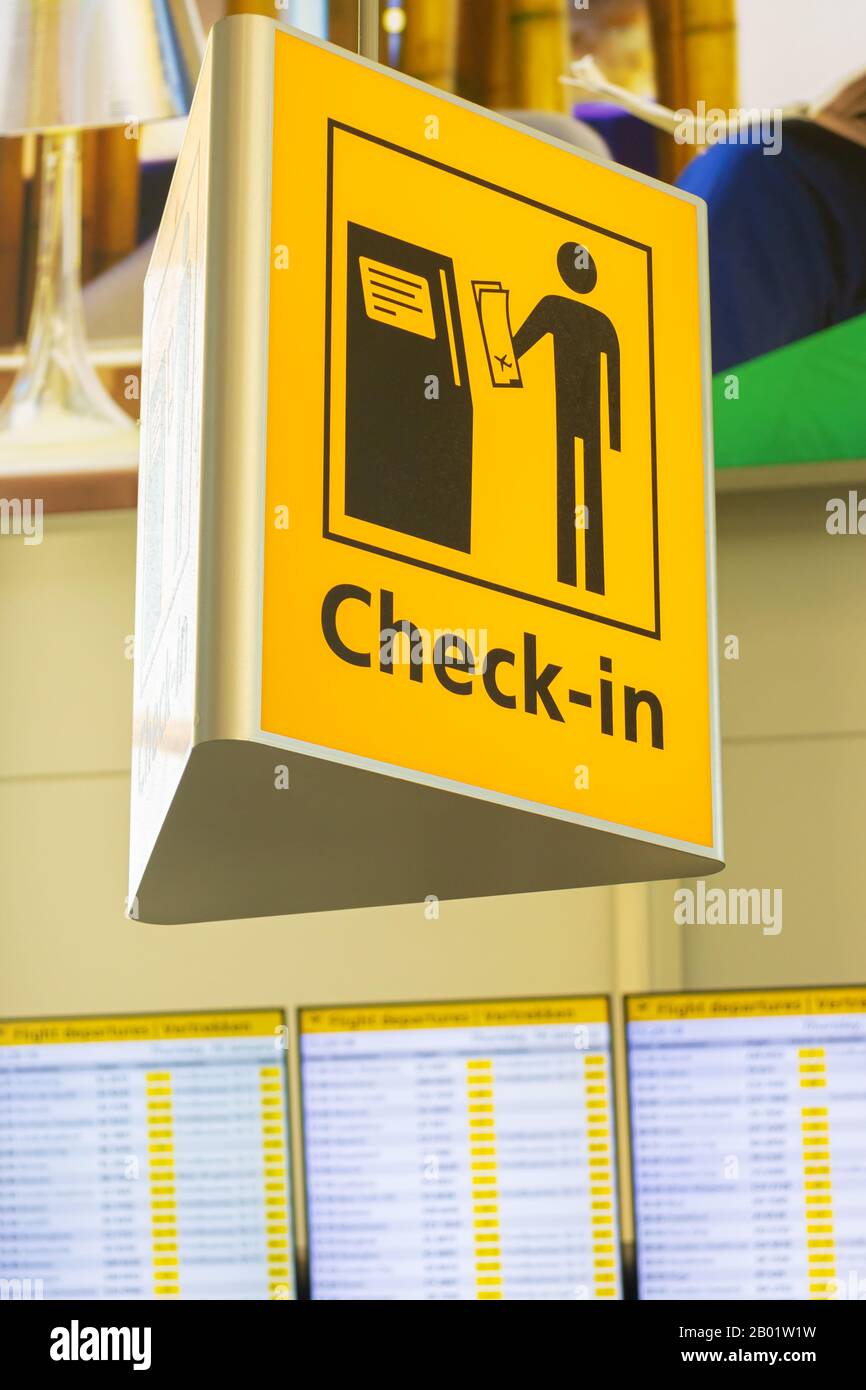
point(368, 29)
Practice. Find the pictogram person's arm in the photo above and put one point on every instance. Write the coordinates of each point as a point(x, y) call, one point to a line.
point(534, 327)
point(610, 348)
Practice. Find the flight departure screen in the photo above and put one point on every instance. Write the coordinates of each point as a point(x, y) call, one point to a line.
point(460, 1151)
point(145, 1157)
point(748, 1117)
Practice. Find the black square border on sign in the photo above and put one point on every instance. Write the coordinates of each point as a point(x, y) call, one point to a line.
point(329, 534)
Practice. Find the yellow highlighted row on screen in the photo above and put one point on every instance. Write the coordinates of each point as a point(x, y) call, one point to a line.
point(753, 1004)
point(257, 1023)
point(163, 1206)
point(483, 1169)
point(274, 1168)
point(820, 1245)
point(481, 1014)
point(601, 1184)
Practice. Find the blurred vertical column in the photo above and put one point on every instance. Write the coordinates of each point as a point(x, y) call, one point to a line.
point(695, 43)
point(430, 42)
point(116, 195)
point(484, 52)
point(343, 23)
point(12, 206)
point(540, 54)
point(369, 12)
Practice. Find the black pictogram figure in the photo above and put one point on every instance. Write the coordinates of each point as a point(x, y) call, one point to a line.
point(581, 334)
point(408, 397)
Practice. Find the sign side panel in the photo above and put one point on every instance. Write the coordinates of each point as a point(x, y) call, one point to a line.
point(710, 506)
point(236, 386)
point(169, 492)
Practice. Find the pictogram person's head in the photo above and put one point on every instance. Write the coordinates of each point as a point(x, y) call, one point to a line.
point(576, 267)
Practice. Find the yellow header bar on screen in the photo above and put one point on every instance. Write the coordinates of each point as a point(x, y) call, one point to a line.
point(643, 1008)
point(259, 1023)
point(483, 1014)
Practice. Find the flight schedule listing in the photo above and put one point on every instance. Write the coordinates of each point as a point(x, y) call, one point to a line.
point(460, 1151)
point(145, 1157)
point(748, 1116)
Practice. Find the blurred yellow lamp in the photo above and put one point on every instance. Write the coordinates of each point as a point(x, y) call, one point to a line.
point(66, 66)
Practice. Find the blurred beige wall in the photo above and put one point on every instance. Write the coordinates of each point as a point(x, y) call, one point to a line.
point(794, 711)
point(794, 727)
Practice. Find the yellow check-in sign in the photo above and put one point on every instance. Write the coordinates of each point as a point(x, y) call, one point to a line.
point(558, 529)
point(482, 447)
